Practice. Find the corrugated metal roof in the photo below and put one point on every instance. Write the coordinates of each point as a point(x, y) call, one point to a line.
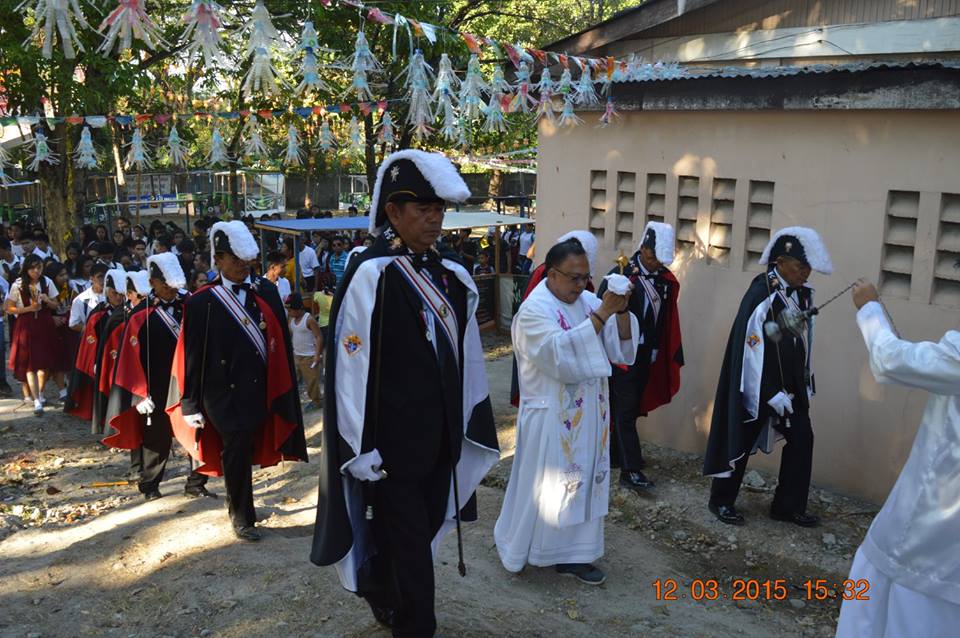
point(661, 71)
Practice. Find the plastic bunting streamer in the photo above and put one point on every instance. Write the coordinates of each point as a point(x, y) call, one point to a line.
point(495, 121)
point(545, 109)
point(356, 137)
point(451, 123)
point(361, 63)
point(253, 146)
point(447, 81)
point(420, 115)
point(472, 90)
point(585, 94)
point(218, 154)
point(523, 101)
point(293, 156)
point(203, 31)
point(137, 155)
point(41, 152)
point(86, 155)
point(59, 15)
point(176, 152)
point(262, 75)
point(309, 70)
point(326, 136)
point(567, 116)
point(130, 20)
point(565, 85)
point(609, 114)
point(386, 133)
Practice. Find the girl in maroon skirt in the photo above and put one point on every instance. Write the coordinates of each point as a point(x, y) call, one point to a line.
point(69, 339)
point(35, 345)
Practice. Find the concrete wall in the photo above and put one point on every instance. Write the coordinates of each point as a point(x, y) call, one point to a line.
point(876, 185)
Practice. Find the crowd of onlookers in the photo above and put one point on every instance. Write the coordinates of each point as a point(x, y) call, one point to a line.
point(49, 295)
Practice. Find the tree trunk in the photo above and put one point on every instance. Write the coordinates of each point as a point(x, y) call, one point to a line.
point(53, 188)
point(496, 182)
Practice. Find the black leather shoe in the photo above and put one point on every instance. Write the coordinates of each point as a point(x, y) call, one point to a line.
point(247, 533)
point(635, 481)
point(800, 518)
point(152, 495)
point(197, 492)
point(727, 514)
point(584, 572)
point(383, 615)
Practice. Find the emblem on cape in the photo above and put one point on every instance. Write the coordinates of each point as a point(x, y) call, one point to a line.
point(91, 339)
point(753, 341)
point(263, 325)
point(394, 173)
point(113, 354)
point(133, 341)
point(352, 344)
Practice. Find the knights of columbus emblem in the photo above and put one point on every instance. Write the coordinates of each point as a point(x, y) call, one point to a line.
point(352, 344)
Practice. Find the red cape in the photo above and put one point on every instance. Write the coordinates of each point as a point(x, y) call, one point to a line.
point(275, 430)
point(81, 394)
point(664, 379)
point(129, 387)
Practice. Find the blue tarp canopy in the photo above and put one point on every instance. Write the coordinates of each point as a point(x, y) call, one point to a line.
point(451, 221)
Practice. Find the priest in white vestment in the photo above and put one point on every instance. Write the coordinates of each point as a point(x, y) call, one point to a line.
point(565, 340)
point(910, 558)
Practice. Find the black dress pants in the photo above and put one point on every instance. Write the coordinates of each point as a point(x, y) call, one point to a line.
point(236, 459)
point(407, 515)
point(150, 460)
point(796, 462)
point(626, 388)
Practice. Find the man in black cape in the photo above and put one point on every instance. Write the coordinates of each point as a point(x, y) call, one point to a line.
point(233, 370)
point(408, 428)
point(766, 382)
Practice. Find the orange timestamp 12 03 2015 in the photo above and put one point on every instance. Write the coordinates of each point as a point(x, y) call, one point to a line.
point(756, 589)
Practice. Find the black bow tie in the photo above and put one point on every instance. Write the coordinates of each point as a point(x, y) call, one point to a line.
point(238, 287)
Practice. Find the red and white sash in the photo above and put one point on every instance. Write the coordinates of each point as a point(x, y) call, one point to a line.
point(653, 296)
point(236, 310)
point(169, 321)
point(433, 299)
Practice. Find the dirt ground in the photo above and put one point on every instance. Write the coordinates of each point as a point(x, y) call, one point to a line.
point(80, 561)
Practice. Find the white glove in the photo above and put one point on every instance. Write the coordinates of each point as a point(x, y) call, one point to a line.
point(781, 402)
point(194, 420)
point(366, 467)
point(618, 284)
point(146, 406)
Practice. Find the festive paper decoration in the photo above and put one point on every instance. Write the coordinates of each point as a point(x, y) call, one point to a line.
point(356, 137)
point(565, 86)
point(326, 136)
point(41, 152)
point(418, 74)
point(262, 74)
point(362, 62)
point(472, 90)
point(4, 164)
point(127, 21)
point(609, 114)
point(59, 15)
point(309, 71)
point(86, 155)
point(253, 146)
point(545, 87)
point(293, 156)
point(386, 134)
point(567, 116)
point(176, 152)
point(137, 155)
point(495, 121)
point(451, 123)
point(523, 101)
point(203, 30)
point(447, 80)
point(218, 154)
point(585, 93)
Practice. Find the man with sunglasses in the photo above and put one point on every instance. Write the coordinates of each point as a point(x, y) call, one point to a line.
point(565, 339)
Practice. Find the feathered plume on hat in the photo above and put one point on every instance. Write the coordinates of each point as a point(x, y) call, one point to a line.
point(140, 281)
point(662, 239)
point(413, 175)
point(800, 243)
point(235, 238)
point(587, 240)
point(167, 267)
point(116, 278)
